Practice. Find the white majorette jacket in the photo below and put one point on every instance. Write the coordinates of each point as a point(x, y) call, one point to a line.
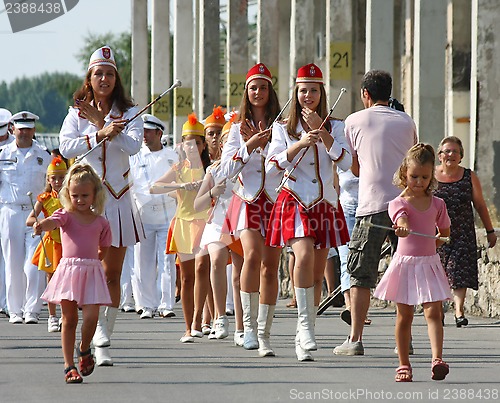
point(252, 180)
point(21, 173)
point(312, 179)
point(111, 159)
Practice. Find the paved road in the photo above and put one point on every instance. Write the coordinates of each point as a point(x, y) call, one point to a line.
point(151, 365)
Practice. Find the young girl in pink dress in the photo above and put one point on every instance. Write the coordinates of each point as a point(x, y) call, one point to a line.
point(415, 275)
point(79, 280)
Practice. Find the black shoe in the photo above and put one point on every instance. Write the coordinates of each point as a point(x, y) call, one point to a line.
point(177, 298)
point(345, 315)
point(461, 321)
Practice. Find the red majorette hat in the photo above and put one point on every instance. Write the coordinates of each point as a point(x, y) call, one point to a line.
point(310, 73)
point(258, 71)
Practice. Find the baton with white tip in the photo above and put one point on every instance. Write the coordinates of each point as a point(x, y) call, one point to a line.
point(444, 239)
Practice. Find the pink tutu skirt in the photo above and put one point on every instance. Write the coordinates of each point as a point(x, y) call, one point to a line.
point(80, 280)
point(322, 222)
point(414, 280)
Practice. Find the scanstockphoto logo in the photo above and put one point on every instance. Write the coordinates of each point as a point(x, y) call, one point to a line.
point(26, 14)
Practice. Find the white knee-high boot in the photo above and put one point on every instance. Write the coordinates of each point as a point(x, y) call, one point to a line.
point(101, 335)
point(264, 323)
point(302, 355)
point(250, 305)
point(305, 308)
point(102, 354)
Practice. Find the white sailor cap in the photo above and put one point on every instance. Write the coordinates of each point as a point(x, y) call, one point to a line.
point(5, 117)
point(102, 56)
point(24, 120)
point(152, 122)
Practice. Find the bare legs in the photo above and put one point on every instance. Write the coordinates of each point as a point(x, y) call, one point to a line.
point(459, 299)
point(360, 302)
point(112, 264)
point(90, 314)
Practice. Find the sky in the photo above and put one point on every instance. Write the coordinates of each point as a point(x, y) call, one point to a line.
point(52, 47)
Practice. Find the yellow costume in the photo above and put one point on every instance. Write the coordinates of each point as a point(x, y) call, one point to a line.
point(187, 226)
point(51, 240)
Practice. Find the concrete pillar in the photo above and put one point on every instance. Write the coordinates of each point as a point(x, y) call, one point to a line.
point(209, 58)
point(140, 53)
point(284, 90)
point(379, 35)
point(398, 51)
point(485, 109)
point(268, 37)
point(301, 32)
point(160, 61)
point(429, 67)
point(358, 53)
point(407, 59)
point(458, 65)
point(183, 64)
point(237, 63)
point(339, 48)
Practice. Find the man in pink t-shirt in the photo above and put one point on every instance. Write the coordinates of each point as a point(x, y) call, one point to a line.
point(379, 137)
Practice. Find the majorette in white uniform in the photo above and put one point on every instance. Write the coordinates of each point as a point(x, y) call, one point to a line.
point(251, 182)
point(154, 276)
point(111, 162)
point(213, 229)
point(308, 202)
point(22, 170)
point(5, 138)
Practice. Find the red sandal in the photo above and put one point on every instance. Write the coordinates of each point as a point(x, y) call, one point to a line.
point(71, 375)
point(404, 374)
point(86, 362)
point(439, 369)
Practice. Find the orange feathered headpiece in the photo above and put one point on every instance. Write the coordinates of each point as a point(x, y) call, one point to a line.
point(192, 127)
point(57, 166)
point(216, 118)
point(232, 119)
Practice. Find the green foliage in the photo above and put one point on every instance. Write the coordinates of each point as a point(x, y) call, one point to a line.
point(47, 95)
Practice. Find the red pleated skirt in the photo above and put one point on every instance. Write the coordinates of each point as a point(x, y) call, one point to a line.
point(322, 222)
point(242, 215)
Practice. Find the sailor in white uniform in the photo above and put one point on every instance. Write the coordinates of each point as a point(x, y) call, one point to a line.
point(5, 138)
point(23, 164)
point(153, 280)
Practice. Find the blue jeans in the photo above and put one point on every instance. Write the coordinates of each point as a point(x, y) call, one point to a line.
point(345, 277)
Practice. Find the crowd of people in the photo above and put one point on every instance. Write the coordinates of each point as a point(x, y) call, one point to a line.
point(131, 223)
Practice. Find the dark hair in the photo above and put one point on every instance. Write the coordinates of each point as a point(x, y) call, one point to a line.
point(122, 101)
point(378, 83)
point(272, 107)
point(422, 154)
point(295, 111)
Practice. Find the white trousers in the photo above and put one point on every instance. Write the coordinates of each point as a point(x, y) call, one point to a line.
point(154, 275)
point(24, 283)
point(126, 277)
point(3, 298)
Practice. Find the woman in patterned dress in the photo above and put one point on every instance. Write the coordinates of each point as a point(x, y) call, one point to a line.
point(461, 190)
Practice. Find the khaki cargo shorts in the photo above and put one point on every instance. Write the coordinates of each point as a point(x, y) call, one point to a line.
point(364, 249)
